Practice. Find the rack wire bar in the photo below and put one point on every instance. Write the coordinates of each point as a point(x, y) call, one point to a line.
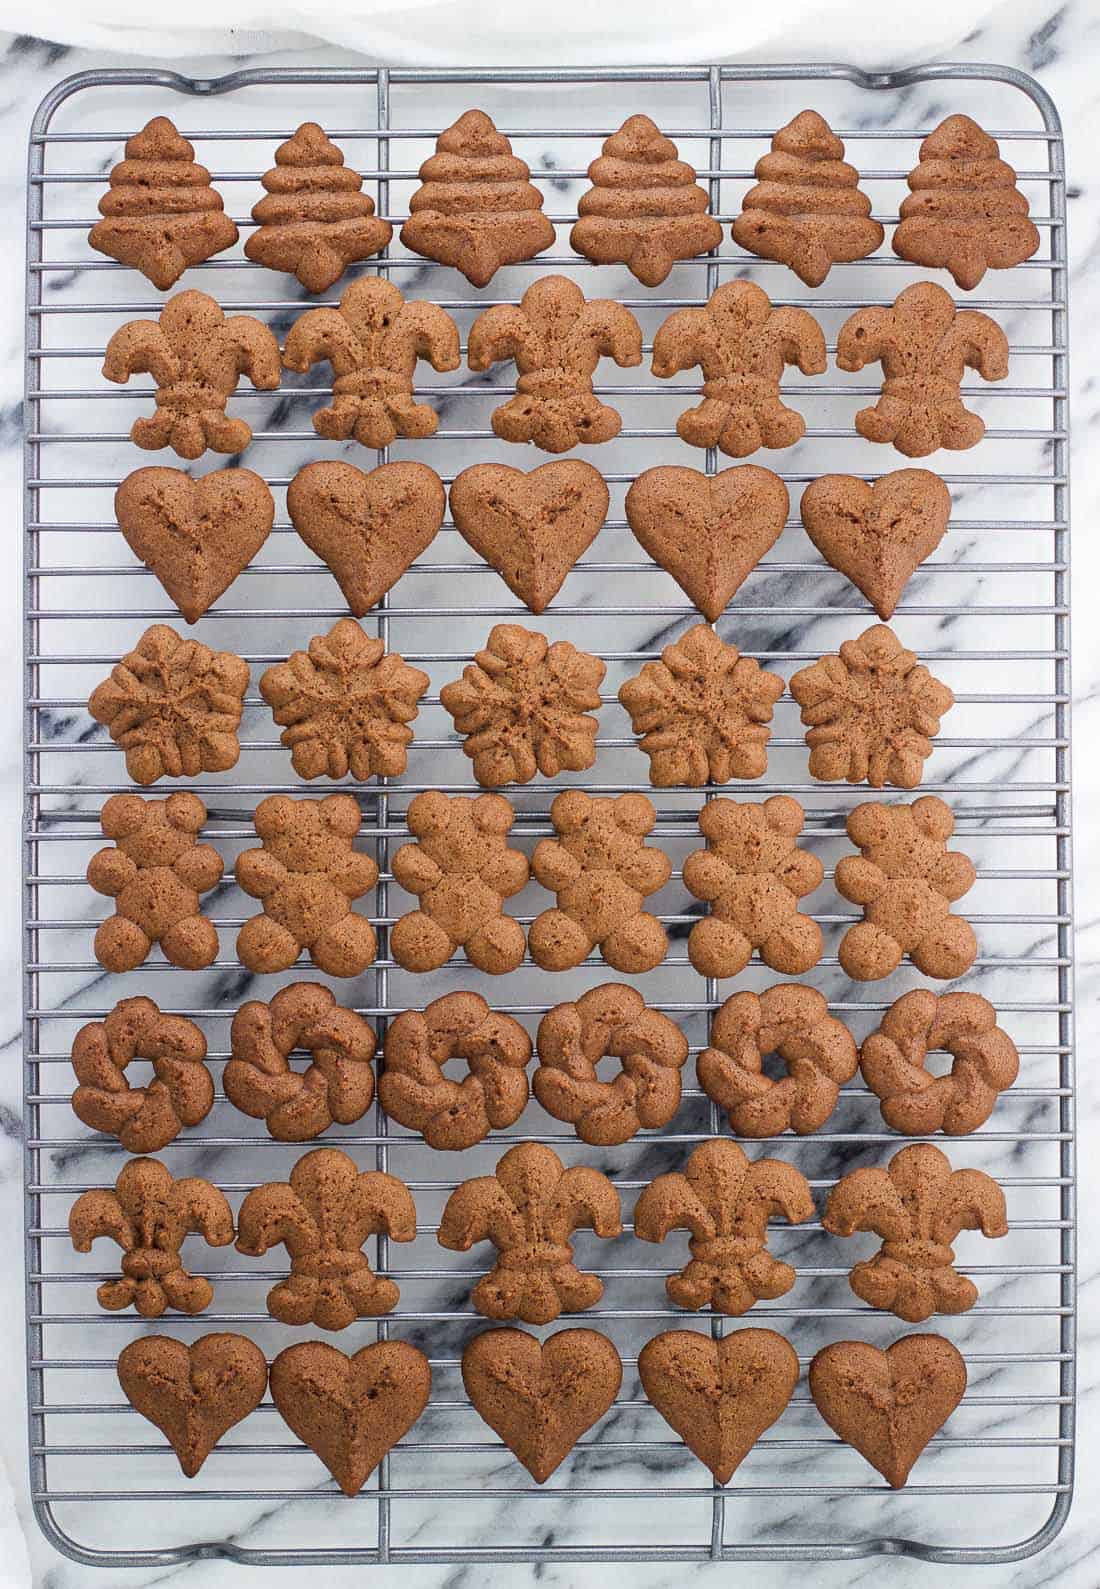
point(448, 1492)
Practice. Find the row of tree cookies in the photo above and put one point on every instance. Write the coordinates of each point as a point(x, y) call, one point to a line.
point(556, 337)
point(791, 1022)
point(540, 1398)
point(478, 210)
point(752, 875)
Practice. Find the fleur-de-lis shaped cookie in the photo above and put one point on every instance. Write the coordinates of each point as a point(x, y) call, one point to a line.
point(924, 345)
point(557, 339)
point(322, 1217)
point(148, 1214)
point(529, 1209)
point(725, 1200)
point(743, 346)
point(918, 1205)
point(196, 356)
point(372, 342)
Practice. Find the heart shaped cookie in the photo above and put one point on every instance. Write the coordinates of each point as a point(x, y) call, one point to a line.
point(877, 535)
point(530, 527)
point(368, 528)
point(193, 1394)
point(888, 1405)
point(541, 1397)
point(195, 535)
point(719, 1396)
point(708, 533)
point(351, 1410)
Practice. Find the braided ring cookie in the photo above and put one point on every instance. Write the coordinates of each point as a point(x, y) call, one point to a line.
point(793, 1022)
point(414, 1091)
point(893, 1062)
point(180, 1094)
point(609, 1020)
point(298, 1106)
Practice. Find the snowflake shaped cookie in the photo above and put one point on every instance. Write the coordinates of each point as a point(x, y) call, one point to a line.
point(870, 711)
point(702, 712)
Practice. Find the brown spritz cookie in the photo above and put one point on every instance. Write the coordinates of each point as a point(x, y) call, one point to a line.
point(345, 704)
point(888, 1405)
point(557, 338)
point(965, 213)
point(180, 1092)
point(337, 1085)
point(743, 346)
point(523, 706)
point(323, 1215)
point(753, 874)
point(306, 874)
point(918, 1205)
point(541, 1396)
point(807, 209)
point(366, 528)
point(528, 1208)
point(702, 712)
point(161, 213)
point(877, 535)
point(645, 208)
point(174, 706)
point(461, 870)
point(450, 1114)
point(350, 1410)
point(476, 209)
point(708, 532)
point(149, 1215)
point(530, 527)
point(871, 711)
point(315, 221)
point(794, 1023)
point(925, 345)
point(196, 357)
point(602, 871)
point(372, 341)
point(894, 1062)
point(155, 872)
point(196, 536)
point(719, 1396)
point(724, 1200)
point(906, 880)
point(611, 1021)
point(194, 1394)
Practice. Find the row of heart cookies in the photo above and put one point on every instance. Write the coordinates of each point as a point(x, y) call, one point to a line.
point(556, 338)
point(791, 1022)
point(368, 528)
point(540, 1397)
point(530, 1209)
point(460, 868)
point(477, 209)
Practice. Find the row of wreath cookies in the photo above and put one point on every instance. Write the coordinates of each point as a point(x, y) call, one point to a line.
point(686, 1375)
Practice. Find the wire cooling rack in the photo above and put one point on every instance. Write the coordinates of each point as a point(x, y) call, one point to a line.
point(988, 612)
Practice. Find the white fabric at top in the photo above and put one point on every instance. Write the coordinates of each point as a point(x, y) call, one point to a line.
point(515, 32)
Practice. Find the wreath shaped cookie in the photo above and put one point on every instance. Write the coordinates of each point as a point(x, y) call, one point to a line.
point(610, 1020)
point(298, 1105)
point(449, 1114)
point(793, 1022)
point(180, 1094)
point(893, 1060)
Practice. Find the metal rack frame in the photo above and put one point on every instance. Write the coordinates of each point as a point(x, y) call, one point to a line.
point(56, 813)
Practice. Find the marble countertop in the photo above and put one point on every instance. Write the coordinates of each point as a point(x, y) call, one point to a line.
point(1058, 47)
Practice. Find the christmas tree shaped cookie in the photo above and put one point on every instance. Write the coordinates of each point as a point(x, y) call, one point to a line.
point(476, 208)
point(807, 210)
point(965, 213)
point(314, 221)
point(161, 214)
point(645, 209)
